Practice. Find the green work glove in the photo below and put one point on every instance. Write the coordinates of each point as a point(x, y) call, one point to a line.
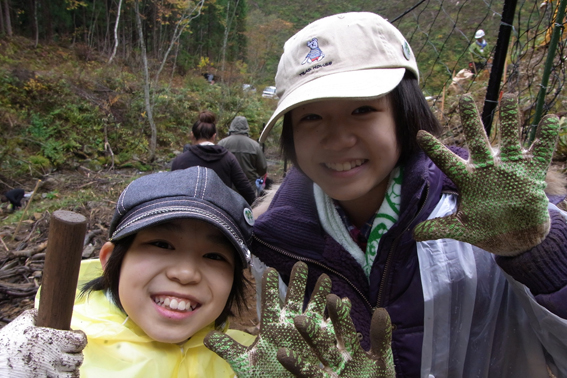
point(502, 206)
point(276, 327)
point(341, 355)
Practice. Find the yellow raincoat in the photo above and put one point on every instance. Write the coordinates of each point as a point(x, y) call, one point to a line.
point(120, 349)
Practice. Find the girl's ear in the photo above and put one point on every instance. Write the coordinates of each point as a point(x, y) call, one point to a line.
point(105, 252)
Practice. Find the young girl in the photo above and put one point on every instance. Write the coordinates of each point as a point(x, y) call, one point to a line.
point(352, 109)
point(171, 270)
point(205, 153)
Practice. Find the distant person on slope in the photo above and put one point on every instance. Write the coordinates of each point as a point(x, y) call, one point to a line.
point(205, 153)
point(247, 151)
point(479, 51)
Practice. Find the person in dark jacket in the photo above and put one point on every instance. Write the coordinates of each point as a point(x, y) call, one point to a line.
point(205, 153)
point(467, 255)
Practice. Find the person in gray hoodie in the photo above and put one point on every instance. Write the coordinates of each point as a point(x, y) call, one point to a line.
point(247, 151)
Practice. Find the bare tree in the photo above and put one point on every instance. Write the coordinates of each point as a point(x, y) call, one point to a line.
point(2, 28)
point(186, 17)
point(116, 32)
point(153, 137)
point(227, 25)
point(8, 24)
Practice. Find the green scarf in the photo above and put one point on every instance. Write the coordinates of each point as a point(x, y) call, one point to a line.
point(385, 217)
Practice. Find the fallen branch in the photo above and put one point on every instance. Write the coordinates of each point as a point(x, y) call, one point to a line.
point(30, 251)
point(90, 235)
point(13, 272)
point(4, 244)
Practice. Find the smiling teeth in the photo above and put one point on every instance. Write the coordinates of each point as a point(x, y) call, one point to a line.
point(340, 167)
point(174, 304)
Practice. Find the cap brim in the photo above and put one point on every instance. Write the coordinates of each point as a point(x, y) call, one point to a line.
point(352, 85)
point(145, 217)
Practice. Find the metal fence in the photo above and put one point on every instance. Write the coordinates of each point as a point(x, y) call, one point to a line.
point(441, 31)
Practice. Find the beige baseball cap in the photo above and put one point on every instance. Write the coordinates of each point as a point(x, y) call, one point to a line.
point(345, 56)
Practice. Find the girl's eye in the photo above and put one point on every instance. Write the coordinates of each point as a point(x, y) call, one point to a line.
point(162, 244)
point(363, 109)
point(310, 117)
point(215, 256)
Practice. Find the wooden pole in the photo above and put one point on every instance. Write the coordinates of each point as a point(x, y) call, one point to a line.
point(61, 271)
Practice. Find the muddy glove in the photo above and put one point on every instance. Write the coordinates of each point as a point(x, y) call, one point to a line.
point(27, 351)
point(341, 355)
point(276, 327)
point(502, 206)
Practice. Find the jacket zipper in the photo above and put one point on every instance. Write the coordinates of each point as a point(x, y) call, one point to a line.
point(387, 266)
point(305, 259)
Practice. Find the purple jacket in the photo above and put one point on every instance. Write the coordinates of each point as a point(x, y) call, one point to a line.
point(290, 231)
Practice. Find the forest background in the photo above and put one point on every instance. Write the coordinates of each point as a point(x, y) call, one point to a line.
point(94, 93)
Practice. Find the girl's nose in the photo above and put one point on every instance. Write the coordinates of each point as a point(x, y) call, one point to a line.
point(337, 137)
point(184, 273)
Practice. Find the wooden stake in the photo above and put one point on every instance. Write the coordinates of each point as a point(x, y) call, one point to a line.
point(61, 270)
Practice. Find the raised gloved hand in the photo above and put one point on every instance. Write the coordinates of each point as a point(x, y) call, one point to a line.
point(341, 355)
point(502, 205)
point(27, 351)
point(276, 327)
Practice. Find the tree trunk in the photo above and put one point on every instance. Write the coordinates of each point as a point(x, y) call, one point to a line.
point(8, 23)
point(2, 28)
point(47, 20)
point(147, 96)
point(116, 31)
point(228, 24)
point(35, 28)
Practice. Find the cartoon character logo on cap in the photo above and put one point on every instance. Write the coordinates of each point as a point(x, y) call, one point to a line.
point(315, 55)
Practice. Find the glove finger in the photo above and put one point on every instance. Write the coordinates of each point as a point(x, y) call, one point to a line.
point(318, 300)
point(451, 164)
point(510, 148)
point(346, 335)
point(226, 347)
point(270, 301)
point(319, 339)
point(381, 342)
point(296, 288)
point(440, 228)
point(70, 362)
point(72, 341)
point(477, 141)
point(545, 142)
point(299, 367)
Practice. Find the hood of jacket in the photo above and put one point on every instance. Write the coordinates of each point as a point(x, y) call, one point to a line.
point(208, 152)
point(239, 125)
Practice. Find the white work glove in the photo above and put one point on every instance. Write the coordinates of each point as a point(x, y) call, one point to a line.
point(27, 351)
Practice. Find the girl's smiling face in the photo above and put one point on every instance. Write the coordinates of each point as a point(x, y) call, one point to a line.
point(175, 278)
point(349, 148)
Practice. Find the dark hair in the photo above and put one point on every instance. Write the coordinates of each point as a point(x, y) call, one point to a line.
point(205, 127)
point(111, 278)
point(411, 114)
